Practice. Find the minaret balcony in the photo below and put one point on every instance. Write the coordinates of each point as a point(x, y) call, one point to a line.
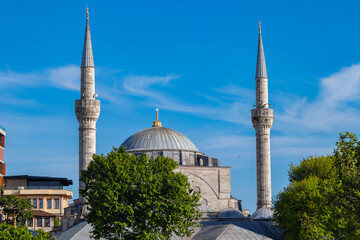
point(87, 108)
point(262, 117)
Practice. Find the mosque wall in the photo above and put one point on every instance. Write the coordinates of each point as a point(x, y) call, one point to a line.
point(213, 183)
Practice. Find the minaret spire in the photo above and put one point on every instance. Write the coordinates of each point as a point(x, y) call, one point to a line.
point(262, 119)
point(87, 57)
point(260, 64)
point(87, 108)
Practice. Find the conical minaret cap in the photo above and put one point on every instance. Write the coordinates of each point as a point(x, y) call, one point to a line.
point(260, 64)
point(87, 57)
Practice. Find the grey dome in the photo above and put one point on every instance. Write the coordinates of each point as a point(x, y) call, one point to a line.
point(263, 214)
point(231, 213)
point(158, 138)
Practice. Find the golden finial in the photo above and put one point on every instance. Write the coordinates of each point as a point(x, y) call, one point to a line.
point(259, 26)
point(87, 13)
point(157, 123)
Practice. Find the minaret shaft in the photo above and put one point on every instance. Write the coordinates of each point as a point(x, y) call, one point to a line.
point(262, 99)
point(87, 108)
point(262, 119)
point(87, 82)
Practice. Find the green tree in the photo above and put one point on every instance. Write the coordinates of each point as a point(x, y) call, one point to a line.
point(10, 232)
point(56, 222)
point(347, 163)
point(16, 210)
point(322, 199)
point(138, 198)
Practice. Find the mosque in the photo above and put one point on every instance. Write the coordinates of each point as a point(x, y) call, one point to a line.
point(223, 217)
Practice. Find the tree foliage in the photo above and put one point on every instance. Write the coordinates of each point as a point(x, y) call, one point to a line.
point(347, 162)
point(16, 210)
point(138, 198)
point(322, 200)
point(10, 232)
point(56, 222)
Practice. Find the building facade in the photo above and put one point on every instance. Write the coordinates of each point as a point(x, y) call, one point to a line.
point(47, 195)
point(2, 158)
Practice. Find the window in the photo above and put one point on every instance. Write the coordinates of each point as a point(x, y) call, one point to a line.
point(57, 203)
point(39, 222)
point(35, 203)
point(40, 203)
point(2, 140)
point(30, 222)
point(49, 203)
point(47, 222)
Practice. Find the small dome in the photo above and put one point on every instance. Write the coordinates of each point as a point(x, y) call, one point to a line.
point(263, 214)
point(231, 213)
point(158, 138)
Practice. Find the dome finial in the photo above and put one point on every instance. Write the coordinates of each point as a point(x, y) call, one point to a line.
point(259, 26)
point(87, 12)
point(157, 123)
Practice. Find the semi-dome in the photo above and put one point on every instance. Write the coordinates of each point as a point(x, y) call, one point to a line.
point(158, 138)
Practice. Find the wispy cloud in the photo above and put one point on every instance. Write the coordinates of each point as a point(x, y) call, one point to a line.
point(332, 109)
point(142, 85)
point(146, 86)
point(65, 77)
point(229, 103)
point(10, 79)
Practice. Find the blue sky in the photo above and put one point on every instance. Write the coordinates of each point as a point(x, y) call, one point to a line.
point(195, 60)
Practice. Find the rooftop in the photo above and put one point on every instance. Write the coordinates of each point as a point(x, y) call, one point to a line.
point(64, 181)
point(39, 213)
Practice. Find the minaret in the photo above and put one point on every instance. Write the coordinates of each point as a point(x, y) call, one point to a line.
point(262, 119)
point(87, 108)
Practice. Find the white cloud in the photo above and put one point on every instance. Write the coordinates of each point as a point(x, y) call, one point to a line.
point(332, 110)
point(10, 79)
point(231, 105)
point(141, 84)
point(343, 86)
point(144, 86)
point(65, 77)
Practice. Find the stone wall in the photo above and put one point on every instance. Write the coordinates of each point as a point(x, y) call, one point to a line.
point(213, 183)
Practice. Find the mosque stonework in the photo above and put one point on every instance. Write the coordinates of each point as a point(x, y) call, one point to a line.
point(262, 119)
point(87, 108)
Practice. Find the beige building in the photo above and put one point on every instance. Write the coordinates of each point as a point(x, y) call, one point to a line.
point(46, 194)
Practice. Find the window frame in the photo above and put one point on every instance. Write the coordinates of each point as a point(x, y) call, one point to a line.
point(34, 203)
point(30, 222)
point(47, 222)
point(49, 206)
point(39, 223)
point(58, 203)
